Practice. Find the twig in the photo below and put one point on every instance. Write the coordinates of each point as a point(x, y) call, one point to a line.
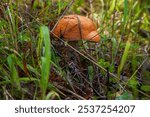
point(80, 28)
point(63, 14)
point(7, 94)
point(69, 91)
point(91, 7)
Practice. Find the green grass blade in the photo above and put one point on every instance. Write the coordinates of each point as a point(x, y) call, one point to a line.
point(112, 7)
point(124, 57)
point(114, 48)
point(14, 74)
point(45, 69)
point(125, 16)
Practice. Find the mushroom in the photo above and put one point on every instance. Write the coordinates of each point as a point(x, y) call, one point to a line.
point(75, 28)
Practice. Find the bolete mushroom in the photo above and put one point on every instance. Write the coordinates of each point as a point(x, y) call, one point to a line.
point(73, 28)
point(76, 27)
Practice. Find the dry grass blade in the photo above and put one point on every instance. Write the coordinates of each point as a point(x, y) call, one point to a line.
point(69, 91)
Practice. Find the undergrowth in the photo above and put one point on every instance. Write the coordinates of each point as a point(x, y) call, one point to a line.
point(36, 65)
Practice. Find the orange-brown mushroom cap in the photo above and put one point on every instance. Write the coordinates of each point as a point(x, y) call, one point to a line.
point(76, 27)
